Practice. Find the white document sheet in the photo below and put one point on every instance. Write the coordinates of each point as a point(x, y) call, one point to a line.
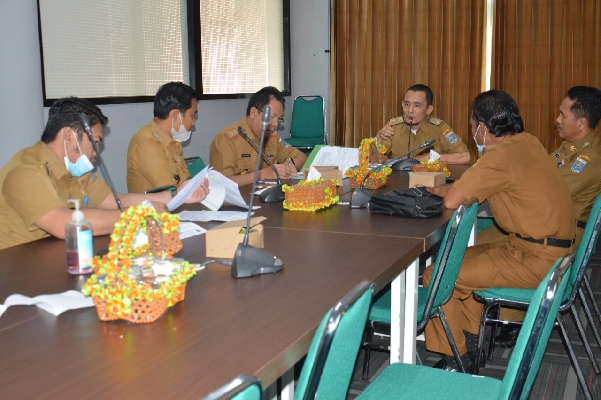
point(183, 194)
point(342, 157)
point(206, 216)
point(232, 193)
point(188, 229)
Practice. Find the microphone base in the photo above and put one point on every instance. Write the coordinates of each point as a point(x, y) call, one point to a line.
point(405, 164)
point(360, 199)
point(271, 195)
point(250, 260)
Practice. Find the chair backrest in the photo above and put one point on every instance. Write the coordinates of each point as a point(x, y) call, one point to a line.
point(449, 259)
point(243, 387)
point(583, 253)
point(308, 119)
point(534, 334)
point(329, 364)
point(195, 165)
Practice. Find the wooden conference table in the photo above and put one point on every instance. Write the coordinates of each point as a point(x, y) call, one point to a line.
point(225, 327)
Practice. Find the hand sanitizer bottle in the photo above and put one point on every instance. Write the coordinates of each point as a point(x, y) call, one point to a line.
point(79, 242)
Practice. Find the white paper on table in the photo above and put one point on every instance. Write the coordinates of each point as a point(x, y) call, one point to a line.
point(232, 193)
point(217, 191)
point(183, 194)
point(53, 303)
point(206, 216)
point(188, 229)
point(342, 157)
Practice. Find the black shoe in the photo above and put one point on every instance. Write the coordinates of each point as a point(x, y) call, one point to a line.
point(444, 365)
point(508, 336)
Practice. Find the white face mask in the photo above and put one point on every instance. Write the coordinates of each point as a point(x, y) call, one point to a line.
point(480, 146)
point(82, 166)
point(181, 135)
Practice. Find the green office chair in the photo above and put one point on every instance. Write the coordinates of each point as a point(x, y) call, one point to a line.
point(430, 299)
point(243, 387)
point(195, 165)
point(407, 381)
point(495, 297)
point(329, 364)
point(308, 125)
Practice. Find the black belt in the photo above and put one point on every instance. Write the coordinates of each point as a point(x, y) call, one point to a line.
point(581, 224)
point(550, 241)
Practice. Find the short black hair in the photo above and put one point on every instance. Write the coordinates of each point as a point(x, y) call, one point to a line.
point(173, 96)
point(263, 96)
point(419, 87)
point(65, 112)
point(499, 112)
point(587, 104)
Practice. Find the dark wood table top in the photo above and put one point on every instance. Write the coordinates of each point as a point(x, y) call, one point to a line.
point(225, 326)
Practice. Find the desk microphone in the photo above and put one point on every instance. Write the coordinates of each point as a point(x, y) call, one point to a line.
point(274, 193)
point(410, 123)
point(361, 198)
point(250, 260)
point(405, 165)
point(85, 122)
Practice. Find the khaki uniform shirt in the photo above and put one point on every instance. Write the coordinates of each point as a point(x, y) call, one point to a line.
point(35, 182)
point(231, 154)
point(154, 159)
point(447, 141)
point(580, 165)
point(527, 194)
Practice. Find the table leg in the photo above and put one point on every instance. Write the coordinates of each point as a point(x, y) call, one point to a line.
point(283, 388)
point(403, 309)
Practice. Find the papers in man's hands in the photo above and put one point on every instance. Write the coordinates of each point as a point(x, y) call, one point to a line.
point(206, 216)
point(226, 188)
point(342, 157)
point(184, 193)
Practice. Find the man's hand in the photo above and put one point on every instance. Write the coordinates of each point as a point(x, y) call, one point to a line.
point(285, 171)
point(386, 132)
point(199, 194)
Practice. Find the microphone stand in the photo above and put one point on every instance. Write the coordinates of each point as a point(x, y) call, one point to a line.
point(410, 123)
point(250, 260)
point(397, 159)
point(360, 198)
point(275, 193)
point(85, 122)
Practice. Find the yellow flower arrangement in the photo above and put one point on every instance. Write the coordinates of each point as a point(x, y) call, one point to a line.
point(377, 176)
point(111, 282)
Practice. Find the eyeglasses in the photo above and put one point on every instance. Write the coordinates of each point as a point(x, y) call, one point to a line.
point(280, 120)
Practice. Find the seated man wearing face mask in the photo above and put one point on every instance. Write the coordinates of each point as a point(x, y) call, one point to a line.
point(36, 183)
point(155, 156)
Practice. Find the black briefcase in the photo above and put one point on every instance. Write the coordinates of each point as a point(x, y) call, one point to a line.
point(415, 202)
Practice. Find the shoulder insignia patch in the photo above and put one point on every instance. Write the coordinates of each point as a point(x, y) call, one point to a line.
point(584, 157)
point(435, 121)
point(232, 134)
point(397, 120)
point(578, 165)
point(450, 135)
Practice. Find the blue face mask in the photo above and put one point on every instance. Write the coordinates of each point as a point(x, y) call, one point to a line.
point(80, 167)
point(480, 146)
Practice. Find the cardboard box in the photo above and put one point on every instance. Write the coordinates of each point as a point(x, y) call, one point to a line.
point(327, 172)
point(222, 241)
point(428, 179)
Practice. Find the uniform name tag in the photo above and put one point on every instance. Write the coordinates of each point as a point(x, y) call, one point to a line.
point(451, 137)
point(245, 155)
point(578, 165)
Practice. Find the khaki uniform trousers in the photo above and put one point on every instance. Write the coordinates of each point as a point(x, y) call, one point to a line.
point(516, 263)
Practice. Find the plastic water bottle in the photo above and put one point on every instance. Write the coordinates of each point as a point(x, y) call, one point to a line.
point(79, 242)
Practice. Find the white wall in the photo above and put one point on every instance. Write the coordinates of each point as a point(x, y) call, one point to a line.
point(21, 103)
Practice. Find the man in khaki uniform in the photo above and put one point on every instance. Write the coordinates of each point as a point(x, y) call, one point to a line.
point(37, 182)
point(235, 157)
point(155, 156)
point(579, 162)
point(417, 107)
point(512, 173)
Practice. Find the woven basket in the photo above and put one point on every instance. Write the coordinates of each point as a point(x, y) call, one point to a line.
point(143, 312)
point(429, 167)
point(370, 183)
point(304, 197)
